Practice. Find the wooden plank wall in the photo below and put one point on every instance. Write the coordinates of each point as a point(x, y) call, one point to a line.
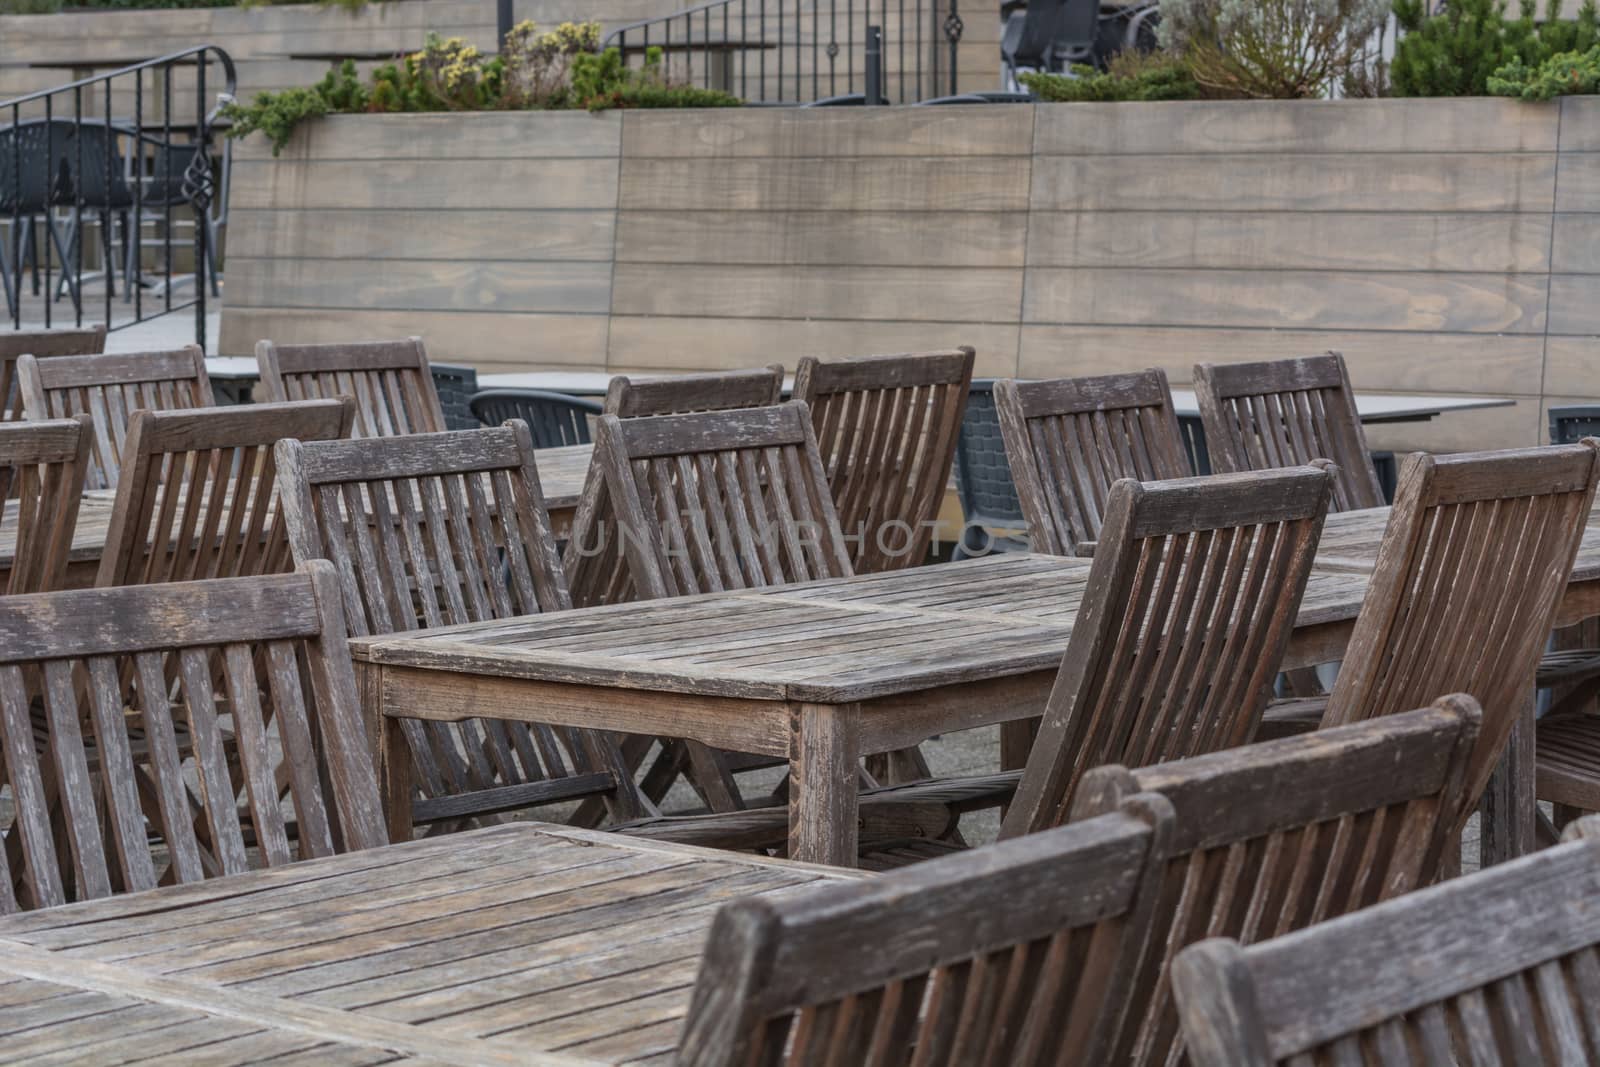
point(1443, 246)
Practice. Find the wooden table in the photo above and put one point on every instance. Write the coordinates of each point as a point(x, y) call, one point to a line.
point(819, 673)
point(518, 944)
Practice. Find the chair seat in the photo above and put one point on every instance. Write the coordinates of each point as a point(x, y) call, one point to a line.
point(1568, 760)
point(1567, 666)
point(1291, 716)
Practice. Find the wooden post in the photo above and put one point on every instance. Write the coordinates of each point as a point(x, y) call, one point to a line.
point(824, 746)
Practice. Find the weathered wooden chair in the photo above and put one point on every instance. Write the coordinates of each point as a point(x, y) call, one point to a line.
point(1190, 603)
point(1070, 439)
point(212, 648)
point(1014, 954)
point(596, 572)
point(110, 388)
point(84, 341)
point(197, 497)
point(1474, 562)
point(390, 380)
point(438, 529)
point(886, 427)
point(42, 467)
point(1498, 967)
point(1270, 838)
point(1285, 412)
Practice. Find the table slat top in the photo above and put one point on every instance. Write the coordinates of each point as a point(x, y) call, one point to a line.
point(521, 943)
point(832, 641)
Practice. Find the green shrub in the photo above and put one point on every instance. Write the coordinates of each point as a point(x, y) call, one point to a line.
point(1132, 76)
point(558, 69)
point(1270, 49)
point(29, 7)
point(1456, 52)
point(1563, 74)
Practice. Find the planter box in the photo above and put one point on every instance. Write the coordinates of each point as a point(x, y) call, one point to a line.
point(1429, 240)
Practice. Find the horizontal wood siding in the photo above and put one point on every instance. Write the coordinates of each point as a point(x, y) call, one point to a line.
point(1445, 246)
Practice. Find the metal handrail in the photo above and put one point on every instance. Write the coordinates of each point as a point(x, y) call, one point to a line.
point(196, 184)
point(933, 27)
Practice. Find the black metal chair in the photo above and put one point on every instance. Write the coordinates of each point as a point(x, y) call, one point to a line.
point(1572, 672)
point(1048, 35)
point(36, 165)
point(1570, 425)
point(983, 479)
point(556, 419)
point(165, 183)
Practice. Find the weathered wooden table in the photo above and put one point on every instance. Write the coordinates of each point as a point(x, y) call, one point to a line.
point(561, 474)
point(819, 673)
point(519, 944)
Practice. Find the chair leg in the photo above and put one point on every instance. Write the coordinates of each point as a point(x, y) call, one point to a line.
point(211, 255)
point(30, 253)
point(68, 278)
point(10, 284)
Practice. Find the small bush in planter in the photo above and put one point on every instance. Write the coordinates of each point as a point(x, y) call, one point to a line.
point(1129, 76)
point(1563, 74)
point(1270, 49)
point(1457, 51)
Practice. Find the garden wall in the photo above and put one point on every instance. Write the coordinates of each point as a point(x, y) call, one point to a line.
point(1445, 246)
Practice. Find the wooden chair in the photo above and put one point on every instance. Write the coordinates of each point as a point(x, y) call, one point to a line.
point(686, 394)
point(42, 467)
point(1284, 412)
point(1499, 967)
point(1273, 837)
point(1473, 566)
point(1068, 440)
point(1190, 603)
point(721, 500)
point(597, 573)
point(87, 340)
point(438, 529)
point(196, 651)
point(390, 380)
point(1013, 954)
point(197, 497)
point(886, 427)
point(110, 388)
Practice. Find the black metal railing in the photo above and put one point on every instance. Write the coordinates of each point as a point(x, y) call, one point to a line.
point(130, 147)
point(803, 51)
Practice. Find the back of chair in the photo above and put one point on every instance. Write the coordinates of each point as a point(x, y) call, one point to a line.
point(109, 389)
point(42, 467)
point(1498, 967)
point(555, 419)
point(1068, 440)
point(83, 341)
point(154, 671)
point(1189, 606)
point(687, 393)
point(1274, 837)
point(886, 427)
point(1284, 412)
point(197, 497)
point(1013, 954)
point(1474, 562)
point(715, 501)
point(390, 380)
point(425, 530)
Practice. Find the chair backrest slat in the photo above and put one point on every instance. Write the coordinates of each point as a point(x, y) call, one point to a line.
point(71, 341)
point(713, 501)
point(110, 388)
point(1498, 967)
point(391, 382)
point(1285, 412)
point(1011, 954)
point(1068, 440)
point(1190, 603)
point(42, 470)
point(886, 429)
point(197, 497)
point(436, 529)
point(1273, 837)
point(684, 394)
point(126, 680)
point(1471, 571)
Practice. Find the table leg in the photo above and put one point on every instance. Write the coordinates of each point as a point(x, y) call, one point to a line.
point(1506, 815)
point(1016, 741)
point(824, 747)
point(394, 763)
